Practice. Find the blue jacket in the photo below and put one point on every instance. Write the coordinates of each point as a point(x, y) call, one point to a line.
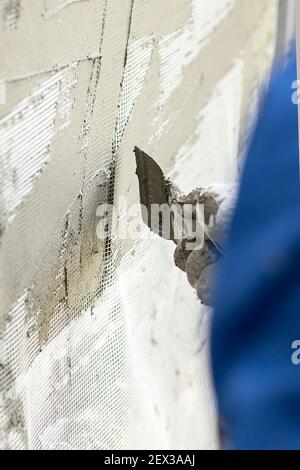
point(257, 298)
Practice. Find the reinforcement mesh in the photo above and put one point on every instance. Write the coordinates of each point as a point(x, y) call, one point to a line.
point(103, 343)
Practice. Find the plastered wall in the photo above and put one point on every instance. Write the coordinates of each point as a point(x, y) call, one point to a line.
point(103, 343)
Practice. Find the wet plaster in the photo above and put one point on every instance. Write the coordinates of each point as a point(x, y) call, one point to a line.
point(49, 250)
point(84, 170)
point(37, 52)
point(57, 279)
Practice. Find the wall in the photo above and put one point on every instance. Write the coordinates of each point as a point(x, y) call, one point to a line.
point(104, 344)
point(286, 25)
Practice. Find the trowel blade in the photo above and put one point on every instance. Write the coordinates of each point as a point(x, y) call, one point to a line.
point(153, 190)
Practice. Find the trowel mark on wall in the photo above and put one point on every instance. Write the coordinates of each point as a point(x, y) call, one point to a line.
point(10, 12)
point(51, 7)
point(180, 48)
point(26, 135)
point(162, 124)
point(203, 159)
point(138, 59)
point(65, 102)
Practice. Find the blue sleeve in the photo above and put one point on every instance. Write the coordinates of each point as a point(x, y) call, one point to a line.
point(257, 298)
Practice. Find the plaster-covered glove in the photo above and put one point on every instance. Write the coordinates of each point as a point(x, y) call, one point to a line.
point(200, 264)
point(218, 201)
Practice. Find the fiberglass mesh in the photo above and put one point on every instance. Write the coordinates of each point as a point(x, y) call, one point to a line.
point(104, 344)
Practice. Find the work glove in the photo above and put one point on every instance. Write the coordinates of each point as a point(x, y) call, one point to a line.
point(198, 260)
point(201, 264)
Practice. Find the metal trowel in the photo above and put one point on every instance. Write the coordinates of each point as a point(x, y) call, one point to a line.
point(156, 189)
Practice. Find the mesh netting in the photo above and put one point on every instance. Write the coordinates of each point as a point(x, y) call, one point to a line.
point(103, 342)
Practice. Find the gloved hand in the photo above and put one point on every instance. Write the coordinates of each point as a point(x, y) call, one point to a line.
point(200, 264)
point(218, 201)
